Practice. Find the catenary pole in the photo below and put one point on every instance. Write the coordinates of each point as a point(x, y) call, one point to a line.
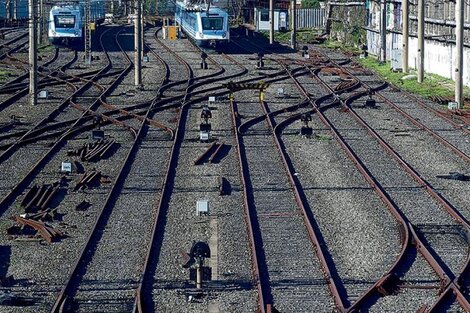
point(294, 25)
point(271, 22)
point(459, 22)
point(406, 31)
point(420, 41)
point(137, 43)
point(33, 57)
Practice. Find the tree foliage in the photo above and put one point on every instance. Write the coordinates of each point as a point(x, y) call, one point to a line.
point(306, 4)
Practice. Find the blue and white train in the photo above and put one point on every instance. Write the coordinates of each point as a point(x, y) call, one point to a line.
point(66, 21)
point(206, 27)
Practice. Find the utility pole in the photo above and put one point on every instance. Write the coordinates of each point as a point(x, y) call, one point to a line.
point(41, 22)
point(406, 31)
point(137, 43)
point(271, 22)
point(459, 20)
point(420, 41)
point(33, 57)
point(87, 34)
point(293, 34)
point(383, 31)
point(142, 33)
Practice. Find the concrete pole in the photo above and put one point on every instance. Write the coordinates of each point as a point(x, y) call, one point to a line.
point(383, 31)
point(41, 22)
point(459, 22)
point(406, 31)
point(293, 43)
point(137, 43)
point(33, 57)
point(112, 7)
point(420, 41)
point(271, 22)
point(142, 33)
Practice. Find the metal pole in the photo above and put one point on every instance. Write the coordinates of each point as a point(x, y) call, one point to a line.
point(87, 34)
point(199, 274)
point(420, 41)
point(33, 57)
point(137, 44)
point(271, 22)
point(405, 39)
point(383, 31)
point(293, 34)
point(142, 25)
point(459, 22)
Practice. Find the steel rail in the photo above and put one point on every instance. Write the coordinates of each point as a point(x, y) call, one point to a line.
point(157, 229)
point(54, 113)
point(139, 305)
point(5, 87)
point(307, 215)
point(445, 274)
point(262, 286)
point(13, 193)
point(65, 295)
point(451, 210)
point(419, 124)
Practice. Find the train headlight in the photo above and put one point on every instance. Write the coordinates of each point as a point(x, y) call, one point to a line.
point(224, 34)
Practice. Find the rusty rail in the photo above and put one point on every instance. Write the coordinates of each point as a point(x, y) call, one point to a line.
point(435, 265)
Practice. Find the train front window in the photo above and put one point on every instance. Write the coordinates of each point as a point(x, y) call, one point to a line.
point(212, 23)
point(64, 21)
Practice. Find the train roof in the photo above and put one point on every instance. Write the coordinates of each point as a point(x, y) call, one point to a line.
point(69, 6)
point(200, 7)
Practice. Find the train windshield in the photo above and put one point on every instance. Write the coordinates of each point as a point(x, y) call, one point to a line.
point(212, 23)
point(64, 21)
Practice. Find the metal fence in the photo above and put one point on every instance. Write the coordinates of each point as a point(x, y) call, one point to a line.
point(311, 18)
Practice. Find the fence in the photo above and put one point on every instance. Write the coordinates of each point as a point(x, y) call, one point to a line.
point(311, 18)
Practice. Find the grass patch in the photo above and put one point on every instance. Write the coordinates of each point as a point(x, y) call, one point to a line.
point(433, 85)
point(333, 44)
point(323, 137)
point(4, 75)
point(301, 36)
point(46, 48)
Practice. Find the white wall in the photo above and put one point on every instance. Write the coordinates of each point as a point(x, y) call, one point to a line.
point(439, 57)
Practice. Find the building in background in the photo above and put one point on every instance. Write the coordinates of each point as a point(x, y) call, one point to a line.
point(439, 46)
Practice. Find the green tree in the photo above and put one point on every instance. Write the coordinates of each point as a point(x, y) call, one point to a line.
point(306, 4)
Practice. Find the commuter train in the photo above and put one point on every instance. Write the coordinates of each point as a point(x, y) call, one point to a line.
point(67, 21)
point(207, 27)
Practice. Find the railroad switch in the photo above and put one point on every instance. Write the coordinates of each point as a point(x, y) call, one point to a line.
point(205, 126)
point(306, 130)
point(370, 102)
point(194, 260)
point(260, 63)
point(203, 60)
point(305, 52)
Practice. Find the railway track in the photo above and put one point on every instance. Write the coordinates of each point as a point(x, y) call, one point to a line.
point(436, 244)
point(346, 218)
point(88, 286)
point(458, 233)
